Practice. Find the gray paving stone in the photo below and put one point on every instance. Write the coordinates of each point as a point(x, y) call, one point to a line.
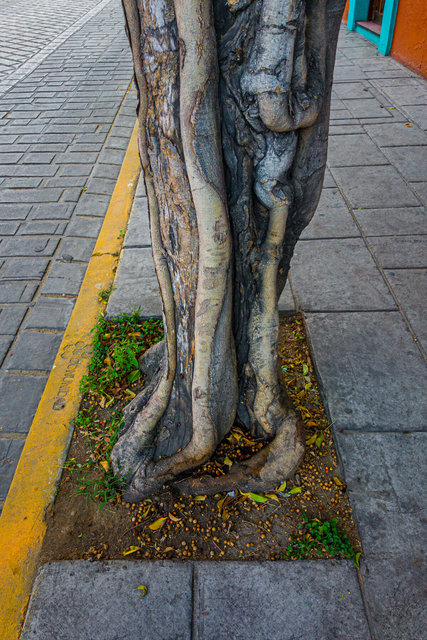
point(410, 160)
point(50, 314)
point(17, 292)
point(396, 134)
point(348, 73)
point(23, 269)
point(384, 475)
point(57, 211)
point(8, 228)
point(24, 183)
point(76, 249)
point(374, 189)
point(75, 170)
point(71, 195)
point(30, 195)
point(100, 186)
point(34, 351)
point(138, 230)
point(286, 302)
point(110, 171)
point(328, 180)
point(33, 170)
point(5, 342)
point(11, 318)
point(421, 190)
point(22, 246)
point(338, 275)
point(410, 287)
point(92, 205)
point(19, 398)
point(298, 600)
point(414, 94)
point(351, 90)
point(417, 114)
point(400, 252)
point(10, 451)
point(81, 600)
point(14, 212)
point(332, 218)
point(371, 371)
point(353, 150)
point(64, 279)
point(136, 286)
point(84, 227)
point(390, 222)
point(10, 158)
point(38, 158)
point(75, 158)
point(42, 228)
point(111, 156)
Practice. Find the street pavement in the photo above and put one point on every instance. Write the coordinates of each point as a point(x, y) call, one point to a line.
point(64, 130)
point(358, 275)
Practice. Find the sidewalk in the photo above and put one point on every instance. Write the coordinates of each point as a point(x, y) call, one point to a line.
point(64, 130)
point(357, 276)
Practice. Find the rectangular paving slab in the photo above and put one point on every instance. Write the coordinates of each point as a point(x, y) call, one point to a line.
point(305, 600)
point(371, 371)
point(230, 600)
point(338, 275)
point(88, 601)
point(374, 189)
point(385, 479)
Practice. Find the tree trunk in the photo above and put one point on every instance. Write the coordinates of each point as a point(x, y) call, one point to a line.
point(233, 121)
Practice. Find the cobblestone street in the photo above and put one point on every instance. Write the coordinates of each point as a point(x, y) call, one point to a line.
point(64, 129)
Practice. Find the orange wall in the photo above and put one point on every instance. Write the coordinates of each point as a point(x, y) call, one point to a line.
point(410, 35)
point(345, 14)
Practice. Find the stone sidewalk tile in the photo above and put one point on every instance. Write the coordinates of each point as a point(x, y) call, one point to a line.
point(5, 342)
point(11, 318)
point(34, 351)
point(64, 279)
point(371, 372)
point(410, 287)
point(338, 275)
point(353, 150)
point(10, 450)
point(135, 287)
point(332, 218)
point(304, 600)
point(392, 222)
point(23, 246)
point(49, 314)
point(417, 114)
point(396, 134)
point(17, 292)
point(421, 190)
point(19, 397)
point(286, 304)
point(400, 252)
point(138, 229)
point(410, 160)
point(384, 474)
point(84, 227)
point(24, 269)
point(87, 600)
point(374, 189)
point(76, 249)
point(92, 205)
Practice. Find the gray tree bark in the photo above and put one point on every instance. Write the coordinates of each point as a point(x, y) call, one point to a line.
point(233, 121)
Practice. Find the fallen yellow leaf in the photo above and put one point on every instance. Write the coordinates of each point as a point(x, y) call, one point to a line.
point(174, 518)
point(104, 464)
point(158, 524)
point(131, 549)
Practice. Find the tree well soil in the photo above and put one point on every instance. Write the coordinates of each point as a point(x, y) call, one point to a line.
point(86, 524)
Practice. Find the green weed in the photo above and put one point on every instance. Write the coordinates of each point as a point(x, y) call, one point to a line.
point(320, 538)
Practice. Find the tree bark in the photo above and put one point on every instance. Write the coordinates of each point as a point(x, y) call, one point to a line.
point(233, 119)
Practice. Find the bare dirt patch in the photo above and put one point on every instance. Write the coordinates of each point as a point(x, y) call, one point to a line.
point(306, 517)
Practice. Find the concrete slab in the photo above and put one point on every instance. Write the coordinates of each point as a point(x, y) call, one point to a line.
point(286, 302)
point(19, 397)
point(10, 450)
point(279, 601)
point(367, 108)
point(392, 222)
point(381, 472)
point(332, 218)
point(410, 287)
point(374, 189)
point(418, 114)
point(353, 150)
point(421, 190)
point(338, 275)
point(371, 371)
point(400, 252)
point(135, 286)
point(87, 600)
point(138, 230)
point(34, 351)
point(411, 161)
point(396, 133)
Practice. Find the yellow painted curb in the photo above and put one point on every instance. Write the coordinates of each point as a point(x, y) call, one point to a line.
point(22, 522)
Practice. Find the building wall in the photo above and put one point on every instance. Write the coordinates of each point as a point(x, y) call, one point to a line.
point(409, 45)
